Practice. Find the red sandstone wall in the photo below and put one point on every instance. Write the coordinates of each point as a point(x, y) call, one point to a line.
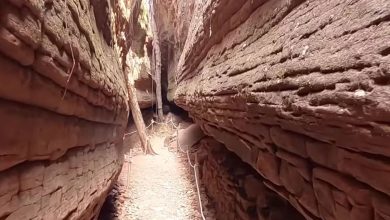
point(300, 91)
point(59, 154)
point(237, 190)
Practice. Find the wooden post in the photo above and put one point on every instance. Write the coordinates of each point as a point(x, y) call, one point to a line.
point(157, 66)
point(137, 116)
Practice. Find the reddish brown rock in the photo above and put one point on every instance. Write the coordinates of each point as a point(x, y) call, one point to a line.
point(302, 87)
point(269, 165)
point(63, 108)
point(236, 189)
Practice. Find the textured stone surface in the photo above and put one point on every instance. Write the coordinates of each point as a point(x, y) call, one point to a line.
point(138, 59)
point(63, 109)
point(299, 90)
point(141, 73)
point(237, 189)
point(71, 188)
point(173, 18)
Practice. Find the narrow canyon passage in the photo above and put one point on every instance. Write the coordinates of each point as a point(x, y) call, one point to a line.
point(282, 105)
point(162, 186)
point(159, 188)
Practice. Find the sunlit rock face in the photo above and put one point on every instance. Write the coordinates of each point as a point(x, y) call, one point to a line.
point(173, 18)
point(63, 108)
point(300, 91)
point(133, 35)
point(139, 70)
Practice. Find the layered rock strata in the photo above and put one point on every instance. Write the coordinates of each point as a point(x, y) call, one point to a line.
point(237, 189)
point(63, 109)
point(300, 91)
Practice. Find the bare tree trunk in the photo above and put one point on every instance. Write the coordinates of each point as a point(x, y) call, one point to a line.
point(157, 66)
point(138, 120)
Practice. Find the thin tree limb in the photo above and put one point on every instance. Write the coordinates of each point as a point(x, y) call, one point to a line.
point(157, 56)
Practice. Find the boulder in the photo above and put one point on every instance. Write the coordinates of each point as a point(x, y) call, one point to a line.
point(189, 136)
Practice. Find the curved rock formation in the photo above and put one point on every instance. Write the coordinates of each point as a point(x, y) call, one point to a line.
point(63, 109)
point(300, 91)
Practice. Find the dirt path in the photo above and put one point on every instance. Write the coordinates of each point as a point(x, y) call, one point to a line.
point(160, 187)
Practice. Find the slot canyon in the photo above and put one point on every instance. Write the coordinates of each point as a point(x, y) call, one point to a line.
point(195, 109)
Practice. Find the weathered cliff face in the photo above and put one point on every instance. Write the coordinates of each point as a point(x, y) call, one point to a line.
point(132, 32)
point(139, 70)
point(63, 109)
point(300, 91)
point(139, 59)
point(237, 189)
point(173, 18)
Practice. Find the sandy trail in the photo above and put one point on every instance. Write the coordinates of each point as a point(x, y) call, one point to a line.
point(161, 187)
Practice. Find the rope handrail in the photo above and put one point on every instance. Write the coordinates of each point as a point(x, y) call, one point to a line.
point(194, 166)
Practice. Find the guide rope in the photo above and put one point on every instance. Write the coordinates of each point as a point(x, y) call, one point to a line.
point(194, 165)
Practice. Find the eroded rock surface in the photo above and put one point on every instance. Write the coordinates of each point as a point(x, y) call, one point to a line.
point(63, 109)
point(131, 33)
point(173, 18)
point(300, 91)
point(138, 59)
point(237, 189)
